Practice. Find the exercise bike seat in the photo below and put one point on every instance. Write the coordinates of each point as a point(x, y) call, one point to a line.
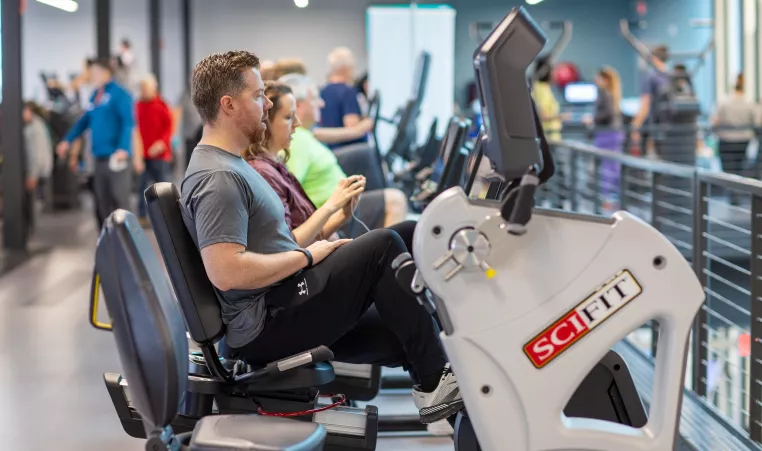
point(198, 299)
point(153, 350)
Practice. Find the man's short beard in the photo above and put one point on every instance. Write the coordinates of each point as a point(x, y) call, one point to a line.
point(254, 133)
point(257, 136)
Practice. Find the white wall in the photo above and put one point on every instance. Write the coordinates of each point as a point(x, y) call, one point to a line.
point(275, 29)
point(55, 41)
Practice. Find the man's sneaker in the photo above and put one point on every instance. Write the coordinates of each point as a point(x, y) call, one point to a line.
point(441, 403)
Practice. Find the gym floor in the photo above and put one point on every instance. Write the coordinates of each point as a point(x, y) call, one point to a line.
point(51, 384)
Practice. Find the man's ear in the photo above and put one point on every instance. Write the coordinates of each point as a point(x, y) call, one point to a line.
point(227, 106)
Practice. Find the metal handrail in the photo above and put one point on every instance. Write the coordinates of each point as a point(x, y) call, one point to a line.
point(678, 170)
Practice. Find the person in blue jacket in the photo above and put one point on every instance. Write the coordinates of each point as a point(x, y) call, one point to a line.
point(110, 120)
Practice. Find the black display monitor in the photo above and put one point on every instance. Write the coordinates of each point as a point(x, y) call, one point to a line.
point(421, 77)
point(501, 63)
point(455, 155)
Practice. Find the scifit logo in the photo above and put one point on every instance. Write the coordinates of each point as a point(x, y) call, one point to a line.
point(589, 314)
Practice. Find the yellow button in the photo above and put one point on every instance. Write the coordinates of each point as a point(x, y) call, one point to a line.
point(490, 273)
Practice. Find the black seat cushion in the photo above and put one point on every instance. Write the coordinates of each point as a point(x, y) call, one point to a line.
point(147, 325)
point(195, 292)
point(256, 433)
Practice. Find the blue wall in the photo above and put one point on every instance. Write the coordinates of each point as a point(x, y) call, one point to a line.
point(668, 22)
point(596, 40)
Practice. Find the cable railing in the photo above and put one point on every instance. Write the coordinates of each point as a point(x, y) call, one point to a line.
point(715, 220)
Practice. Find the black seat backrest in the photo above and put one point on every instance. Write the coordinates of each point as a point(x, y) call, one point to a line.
point(147, 325)
point(195, 292)
point(473, 164)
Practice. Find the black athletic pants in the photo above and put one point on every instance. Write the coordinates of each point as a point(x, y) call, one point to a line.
point(351, 303)
point(733, 156)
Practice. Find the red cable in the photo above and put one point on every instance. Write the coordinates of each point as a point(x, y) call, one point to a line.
point(343, 399)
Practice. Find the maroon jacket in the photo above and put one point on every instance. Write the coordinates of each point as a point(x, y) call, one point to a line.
point(295, 201)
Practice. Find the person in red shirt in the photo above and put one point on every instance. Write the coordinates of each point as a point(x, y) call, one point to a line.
point(154, 120)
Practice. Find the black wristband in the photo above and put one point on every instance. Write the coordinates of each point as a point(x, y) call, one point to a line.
point(307, 254)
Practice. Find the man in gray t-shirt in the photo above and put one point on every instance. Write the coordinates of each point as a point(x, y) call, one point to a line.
point(277, 299)
point(653, 84)
point(252, 216)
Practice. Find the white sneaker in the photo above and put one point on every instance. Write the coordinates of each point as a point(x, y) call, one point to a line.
point(441, 428)
point(441, 403)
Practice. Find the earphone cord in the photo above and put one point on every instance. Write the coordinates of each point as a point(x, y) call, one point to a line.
point(354, 209)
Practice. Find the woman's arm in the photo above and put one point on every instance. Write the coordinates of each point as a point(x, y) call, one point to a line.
point(336, 221)
point(314, 227)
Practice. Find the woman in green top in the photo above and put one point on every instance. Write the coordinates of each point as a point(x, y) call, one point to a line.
point(316, 167)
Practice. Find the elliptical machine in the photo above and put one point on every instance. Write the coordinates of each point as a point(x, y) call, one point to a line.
point(530, 300)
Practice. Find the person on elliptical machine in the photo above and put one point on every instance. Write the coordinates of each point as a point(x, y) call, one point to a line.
point(278, 298)
point(337, 213)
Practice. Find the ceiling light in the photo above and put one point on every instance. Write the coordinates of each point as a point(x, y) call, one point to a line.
point(66, 5)
point(533, 2)
point(301, 3)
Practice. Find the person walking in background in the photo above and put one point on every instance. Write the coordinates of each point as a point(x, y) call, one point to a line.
point(608, 132)
point(39, 156)
point(110, 121)
point(124, 65)
point(154, 120)
point(735, 119)
point(652, 88)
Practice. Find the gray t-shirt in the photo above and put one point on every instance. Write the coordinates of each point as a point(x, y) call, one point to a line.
point(654, 84)
point(224, 200)
point(739, 114)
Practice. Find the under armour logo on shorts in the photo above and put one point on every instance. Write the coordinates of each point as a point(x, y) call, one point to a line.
point(303, 287)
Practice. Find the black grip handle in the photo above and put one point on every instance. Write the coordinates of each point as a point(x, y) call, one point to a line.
point(524, 204)
point(319, 354)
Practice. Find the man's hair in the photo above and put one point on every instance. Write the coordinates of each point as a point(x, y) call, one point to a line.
point(150, 78)
point(126, 43)
point(218, 75)
point(274, 90)
point(103, 63)
point(301, 86)
point(340, 58)
point(739, 85)
point(661, 52)
point(289, 66)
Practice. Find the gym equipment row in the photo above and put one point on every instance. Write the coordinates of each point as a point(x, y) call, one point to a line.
point(526, 298)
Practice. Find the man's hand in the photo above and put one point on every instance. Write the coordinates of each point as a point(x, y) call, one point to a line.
point(139, 165)
point(322, 249)
point(156, 149)
point(635, 137)
point(121, 154)
point(31, 183)
point(62, 149)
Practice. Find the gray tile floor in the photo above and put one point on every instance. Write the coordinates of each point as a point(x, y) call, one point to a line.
point(51, 380)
